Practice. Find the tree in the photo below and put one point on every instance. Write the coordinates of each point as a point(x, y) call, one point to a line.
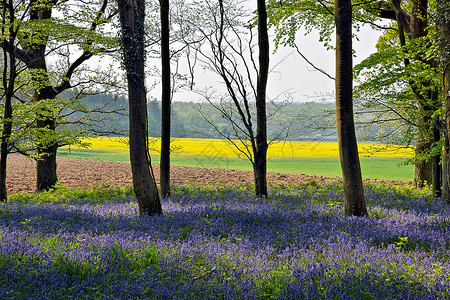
point(414, 51)
point(132, 17)
point(228, 51)
point(398, 81)
point(43, 36)
point(443, 21)
point(261, 117)
point(165, 99)
point(348, 148)
point(9, 30)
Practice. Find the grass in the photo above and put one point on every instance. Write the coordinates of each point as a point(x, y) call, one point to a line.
point(384, 168)
point(223, 243)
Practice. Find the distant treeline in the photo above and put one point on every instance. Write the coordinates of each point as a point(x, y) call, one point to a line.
point(291, 121)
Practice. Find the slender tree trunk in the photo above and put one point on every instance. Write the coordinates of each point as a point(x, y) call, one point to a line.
point(165, 100)
point(443, 24)
point(9, 77)
point(445, 170)
point(437, 167)
point(7, 123)
point(446, 158)
point(348, 149)
point(260, 167)
point(132, 22)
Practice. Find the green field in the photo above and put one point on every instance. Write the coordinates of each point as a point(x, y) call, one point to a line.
point(372, 167)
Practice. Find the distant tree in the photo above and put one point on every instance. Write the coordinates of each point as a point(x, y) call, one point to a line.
point(165, 99)
point(132, 17)
point(348, 149)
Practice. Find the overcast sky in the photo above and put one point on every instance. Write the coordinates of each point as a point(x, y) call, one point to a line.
point(294, 74)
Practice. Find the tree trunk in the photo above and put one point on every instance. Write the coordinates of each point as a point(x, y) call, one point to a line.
point(7, 123)
point(445, 170)
point(348, 149)
point(446, 158)
point(132, 22)
point(423, 169)
point(9, 77)
point(260, 167)
point(443, 24)
point(436, 163)
point(46, 176)
point(165, 100)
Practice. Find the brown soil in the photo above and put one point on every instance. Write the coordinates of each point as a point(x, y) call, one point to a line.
point(87, 173)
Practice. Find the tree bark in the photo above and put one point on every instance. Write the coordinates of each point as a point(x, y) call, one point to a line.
point(446, 158)
point(445, 168)
point(443, 24)
point(165, 100)
point(423, 170)
point(132, 22)
point(348, 149)
point(260, 166)
point(9, 77)
point(46, 177)
point(436, 165)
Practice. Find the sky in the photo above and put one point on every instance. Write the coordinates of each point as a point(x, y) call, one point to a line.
point(294, 74)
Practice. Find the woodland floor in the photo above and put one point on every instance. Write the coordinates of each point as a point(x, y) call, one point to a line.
point(87, 173)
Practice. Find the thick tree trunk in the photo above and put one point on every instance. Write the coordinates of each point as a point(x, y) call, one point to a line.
point(165, 100)
point(260, 167)
point(423, 169)
point(46, 176)
point(348, 149)
point(132, 22)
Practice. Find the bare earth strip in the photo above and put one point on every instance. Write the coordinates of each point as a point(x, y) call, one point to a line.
point(87, 173)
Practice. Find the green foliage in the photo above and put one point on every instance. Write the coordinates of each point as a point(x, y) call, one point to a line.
point(26, 136)
point(97, 194)
point(288, 17)
point(56, 31)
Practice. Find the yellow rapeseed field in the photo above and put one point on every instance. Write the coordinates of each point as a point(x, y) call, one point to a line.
point(222, 148)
